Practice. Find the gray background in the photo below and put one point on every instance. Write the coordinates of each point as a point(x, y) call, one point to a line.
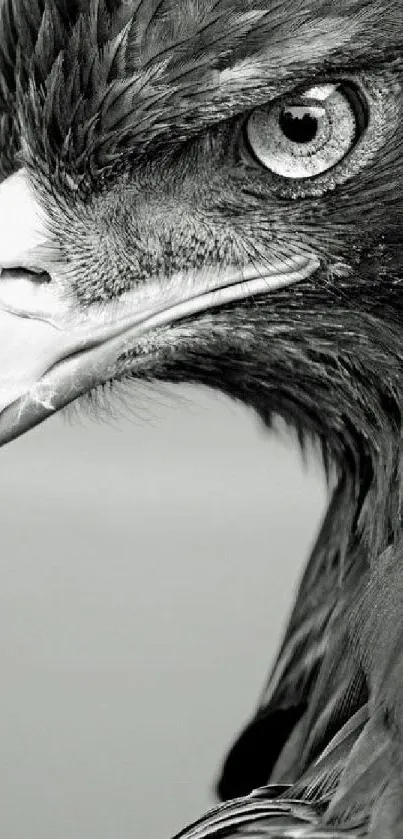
point(146, 570)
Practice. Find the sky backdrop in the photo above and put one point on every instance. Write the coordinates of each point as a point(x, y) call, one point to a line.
point(146, 569)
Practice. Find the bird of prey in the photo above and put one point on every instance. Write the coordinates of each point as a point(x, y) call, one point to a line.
point(211, 191)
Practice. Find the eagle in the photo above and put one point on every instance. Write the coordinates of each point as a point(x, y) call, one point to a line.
point(211, 192)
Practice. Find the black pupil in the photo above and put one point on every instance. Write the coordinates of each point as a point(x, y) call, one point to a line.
point(298, 124)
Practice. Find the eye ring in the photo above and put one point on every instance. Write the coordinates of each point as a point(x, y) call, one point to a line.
point(304, 135)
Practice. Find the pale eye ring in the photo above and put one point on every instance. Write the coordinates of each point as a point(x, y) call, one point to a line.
point(304, 135)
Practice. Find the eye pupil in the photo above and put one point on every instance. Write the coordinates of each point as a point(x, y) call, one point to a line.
point(298, 125)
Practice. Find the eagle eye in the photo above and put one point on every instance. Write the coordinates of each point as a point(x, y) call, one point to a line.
point(306, 134)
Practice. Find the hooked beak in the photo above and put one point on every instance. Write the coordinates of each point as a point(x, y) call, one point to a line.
point(51, 353)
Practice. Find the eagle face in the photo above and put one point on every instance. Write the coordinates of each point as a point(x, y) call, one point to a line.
point(207, 192)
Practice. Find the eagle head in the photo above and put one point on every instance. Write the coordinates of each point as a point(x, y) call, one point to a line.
point(209, 191)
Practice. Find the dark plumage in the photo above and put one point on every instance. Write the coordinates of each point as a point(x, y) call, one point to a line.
point(128, 122)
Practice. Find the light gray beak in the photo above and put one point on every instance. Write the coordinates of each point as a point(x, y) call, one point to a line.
point(50, 351)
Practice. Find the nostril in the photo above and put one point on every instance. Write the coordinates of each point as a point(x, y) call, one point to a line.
point(29, 293)
point(20, 270)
